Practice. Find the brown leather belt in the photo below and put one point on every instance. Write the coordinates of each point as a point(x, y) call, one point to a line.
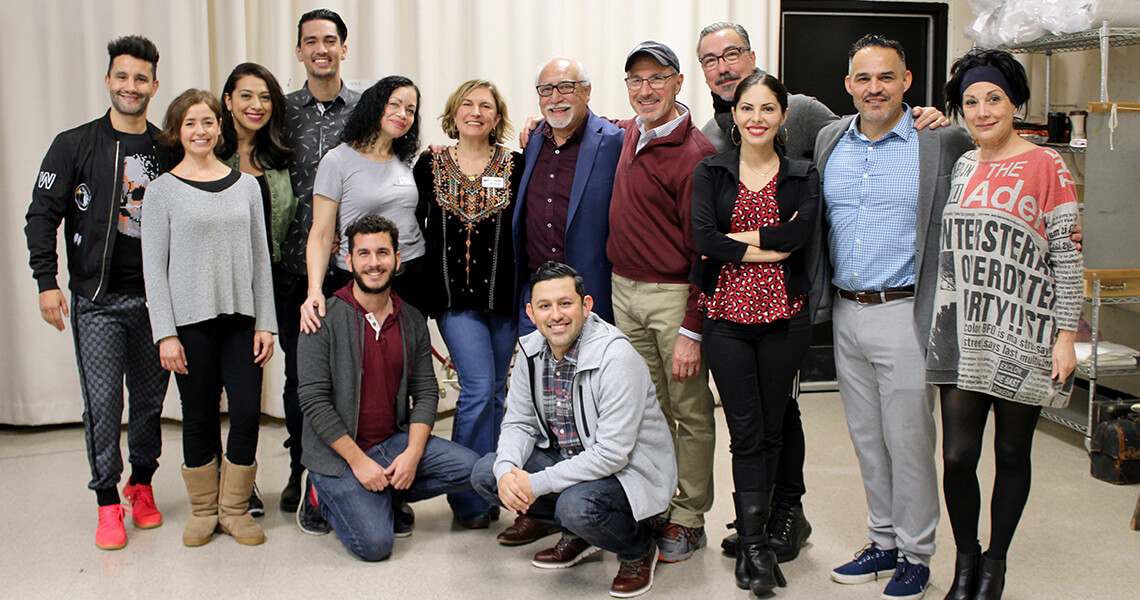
point(878, 297)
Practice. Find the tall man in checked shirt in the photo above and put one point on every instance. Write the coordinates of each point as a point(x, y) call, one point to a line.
point(314, 118)
point(883, 185)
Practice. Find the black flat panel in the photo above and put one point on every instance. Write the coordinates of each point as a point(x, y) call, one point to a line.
point(816, 37)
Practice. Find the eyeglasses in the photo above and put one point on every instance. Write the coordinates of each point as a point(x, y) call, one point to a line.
point(563, 87)
point(656, 82)
point(730, 56)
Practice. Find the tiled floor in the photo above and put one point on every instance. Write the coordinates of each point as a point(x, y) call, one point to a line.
point(1074, 540)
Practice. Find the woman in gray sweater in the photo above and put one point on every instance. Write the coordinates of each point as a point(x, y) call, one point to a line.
point(210, 296)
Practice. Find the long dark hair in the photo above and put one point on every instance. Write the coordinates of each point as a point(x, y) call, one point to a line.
point(269, 149)
point(363, 126)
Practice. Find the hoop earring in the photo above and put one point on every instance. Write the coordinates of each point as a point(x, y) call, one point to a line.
point(735, 142)
point(787, 135)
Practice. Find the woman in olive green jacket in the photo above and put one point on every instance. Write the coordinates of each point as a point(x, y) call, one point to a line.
point(253, 142)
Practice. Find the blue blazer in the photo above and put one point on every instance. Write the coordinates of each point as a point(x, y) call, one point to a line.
point(588, 222)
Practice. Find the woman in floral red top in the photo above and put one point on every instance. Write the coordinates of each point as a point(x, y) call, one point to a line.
point(753, 214)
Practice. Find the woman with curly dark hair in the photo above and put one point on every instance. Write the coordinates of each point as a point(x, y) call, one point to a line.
point(368, 173)
point(1011, 211)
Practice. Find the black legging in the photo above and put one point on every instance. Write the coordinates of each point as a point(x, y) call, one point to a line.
point(964, 415)
point(219, 352)
point(754, 367)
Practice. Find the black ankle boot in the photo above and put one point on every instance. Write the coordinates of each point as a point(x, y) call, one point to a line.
point(788, 531)
point(965, 577)
point(755, 562)
point(728, 544)
point(991, 579)
point(291, 495)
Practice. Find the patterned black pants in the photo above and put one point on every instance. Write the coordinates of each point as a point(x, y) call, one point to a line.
point(113, 340)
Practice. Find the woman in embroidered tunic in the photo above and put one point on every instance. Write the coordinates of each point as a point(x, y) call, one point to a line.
point(1006, 309)
point(368, 173)
point(753, 215)
point(467, 197)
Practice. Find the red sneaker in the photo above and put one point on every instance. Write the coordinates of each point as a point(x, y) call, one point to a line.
point(143, 511)
point(111, 535)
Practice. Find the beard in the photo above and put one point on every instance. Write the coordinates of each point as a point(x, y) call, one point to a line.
point(123, 108)
point(560, 120)
point(383, 287)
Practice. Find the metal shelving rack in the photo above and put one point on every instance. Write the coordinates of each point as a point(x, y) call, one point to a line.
point(1094, 371)
point(1101, 38)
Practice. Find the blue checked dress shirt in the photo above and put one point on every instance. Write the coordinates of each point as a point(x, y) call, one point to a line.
point(871, 194)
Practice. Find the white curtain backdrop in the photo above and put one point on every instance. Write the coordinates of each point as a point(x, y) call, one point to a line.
point(53, 60)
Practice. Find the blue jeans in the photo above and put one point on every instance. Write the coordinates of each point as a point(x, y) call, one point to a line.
point(363, 519)
point(481, 344)
point(597, 511)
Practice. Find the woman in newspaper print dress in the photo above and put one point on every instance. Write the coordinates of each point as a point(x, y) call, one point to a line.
point(1006, 309)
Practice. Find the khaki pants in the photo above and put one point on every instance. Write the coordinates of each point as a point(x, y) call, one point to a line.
point(651, 315)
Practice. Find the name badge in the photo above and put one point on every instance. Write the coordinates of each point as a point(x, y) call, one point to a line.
point(497, 183)
point(404, 181)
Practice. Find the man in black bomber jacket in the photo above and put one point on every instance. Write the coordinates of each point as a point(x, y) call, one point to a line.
point(93, 180)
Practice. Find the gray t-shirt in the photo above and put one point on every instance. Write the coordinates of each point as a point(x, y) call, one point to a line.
point(362, 186)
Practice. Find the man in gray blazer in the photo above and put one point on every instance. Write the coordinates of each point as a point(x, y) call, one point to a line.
point(884, 184)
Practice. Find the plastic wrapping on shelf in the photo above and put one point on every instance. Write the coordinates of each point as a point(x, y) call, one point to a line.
point(1073, 16)
point(1001, 22)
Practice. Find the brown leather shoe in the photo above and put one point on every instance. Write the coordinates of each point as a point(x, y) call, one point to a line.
point(569, 551)
point(634, 577)
point(524, 531)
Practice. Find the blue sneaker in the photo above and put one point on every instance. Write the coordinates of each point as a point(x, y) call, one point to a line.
point(871, 563)
point(909, 581)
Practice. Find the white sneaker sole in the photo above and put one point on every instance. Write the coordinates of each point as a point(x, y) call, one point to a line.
point(864, 578)
point(917, 596)
point(570, 563)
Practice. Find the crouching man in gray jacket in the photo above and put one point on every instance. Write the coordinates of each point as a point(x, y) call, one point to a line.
point(584, 444)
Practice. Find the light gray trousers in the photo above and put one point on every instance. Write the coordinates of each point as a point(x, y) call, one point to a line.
point(890, 415)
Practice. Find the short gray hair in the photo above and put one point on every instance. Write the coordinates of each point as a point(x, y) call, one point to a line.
point(583, 76)
point(719, 25)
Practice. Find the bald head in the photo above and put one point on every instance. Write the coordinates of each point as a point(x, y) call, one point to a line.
point(567, 108)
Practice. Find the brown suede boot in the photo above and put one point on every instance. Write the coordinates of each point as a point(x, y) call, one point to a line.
point(233, 503)
point(202, 487)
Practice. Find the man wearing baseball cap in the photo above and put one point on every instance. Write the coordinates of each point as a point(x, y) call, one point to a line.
point(651, 248)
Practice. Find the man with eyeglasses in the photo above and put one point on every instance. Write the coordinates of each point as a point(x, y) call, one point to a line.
point(651, 248)
point(565, 209)
point(726, 57)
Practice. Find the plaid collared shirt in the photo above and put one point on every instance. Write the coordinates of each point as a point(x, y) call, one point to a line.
point(557, 399)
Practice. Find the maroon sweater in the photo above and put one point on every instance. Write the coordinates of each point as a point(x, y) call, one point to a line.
point(651, 226)
point(382, 364)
